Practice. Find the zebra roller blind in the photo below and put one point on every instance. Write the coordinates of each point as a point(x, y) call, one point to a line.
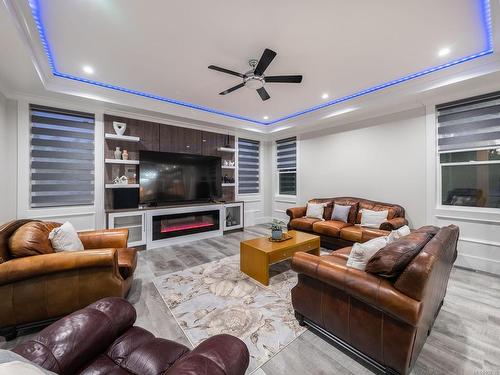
point(469, 124)
point(286, 162)
point(248, 166)
point(62, 157)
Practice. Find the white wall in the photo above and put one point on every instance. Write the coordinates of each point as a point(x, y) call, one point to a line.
point(8, 159)
point(382, 159)
point(255, 205)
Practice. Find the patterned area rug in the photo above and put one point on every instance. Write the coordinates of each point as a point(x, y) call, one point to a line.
point(217, 298)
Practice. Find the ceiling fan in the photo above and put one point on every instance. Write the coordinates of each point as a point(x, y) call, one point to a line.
point(255, 78)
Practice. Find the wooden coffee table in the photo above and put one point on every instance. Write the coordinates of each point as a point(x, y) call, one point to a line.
point(257, 254)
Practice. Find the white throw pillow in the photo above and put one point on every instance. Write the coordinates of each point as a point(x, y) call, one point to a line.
point(65, 238)
point(362, 252)
point(341, 213)
point(315, 210)
point(373, 219)
point(20, 368)
point(398, 233)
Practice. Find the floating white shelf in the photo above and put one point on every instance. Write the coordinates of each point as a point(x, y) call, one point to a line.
point(121, 186)
point(121, 161)
point(227, 184)
point(226, 149)
point(228, 167)
point(126, 138)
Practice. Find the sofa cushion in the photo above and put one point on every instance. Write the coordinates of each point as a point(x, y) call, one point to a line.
point(431, 229)
point(391, 260)
point(32, 239)
point(353, 233)
point(329, 227)
point(354, 207)
point(356, 233)
point(303, 223)
point(137, 351)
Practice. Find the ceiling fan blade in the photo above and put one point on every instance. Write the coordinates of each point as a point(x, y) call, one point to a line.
point(264, 61)
point(232, 89)
point(213, 67)
point(283, 79)
point(263, 93)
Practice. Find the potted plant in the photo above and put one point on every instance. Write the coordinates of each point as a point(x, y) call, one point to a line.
point(277, 229)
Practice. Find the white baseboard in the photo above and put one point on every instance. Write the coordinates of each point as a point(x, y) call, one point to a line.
point(478, 263)
point(263, 220)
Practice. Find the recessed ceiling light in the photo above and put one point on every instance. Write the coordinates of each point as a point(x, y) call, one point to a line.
point(88, 69)
point(444, 51)
point(324, 96)
point(266, 117)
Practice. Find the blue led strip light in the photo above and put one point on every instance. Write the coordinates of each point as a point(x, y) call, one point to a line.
point(488, 49)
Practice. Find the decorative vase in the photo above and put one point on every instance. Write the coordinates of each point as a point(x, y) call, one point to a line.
point(118, 153)
point(119, 127)
point(125, 155)
point(277, 234)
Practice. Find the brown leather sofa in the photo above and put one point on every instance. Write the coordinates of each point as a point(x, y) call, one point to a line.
point(383, 321)
point(36, 289)
point(101, 339)
point(337, 234)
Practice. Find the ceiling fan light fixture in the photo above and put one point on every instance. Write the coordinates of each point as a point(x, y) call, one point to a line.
point(254, 82)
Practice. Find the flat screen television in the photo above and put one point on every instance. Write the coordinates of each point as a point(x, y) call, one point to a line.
point(170, 178)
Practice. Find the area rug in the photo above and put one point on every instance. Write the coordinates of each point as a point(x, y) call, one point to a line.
point(216, 298)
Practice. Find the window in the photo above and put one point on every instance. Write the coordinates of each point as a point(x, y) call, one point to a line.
point(62, 158)
point(286, 164)
point(248, 166)
point(469, 152)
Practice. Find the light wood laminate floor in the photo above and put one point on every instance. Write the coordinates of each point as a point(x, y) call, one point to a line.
point(465, 338)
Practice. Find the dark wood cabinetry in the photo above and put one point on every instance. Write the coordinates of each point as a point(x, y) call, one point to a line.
point(210, 142)
point(177, 139)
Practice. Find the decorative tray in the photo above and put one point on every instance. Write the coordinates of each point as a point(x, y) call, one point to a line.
point(285, 237)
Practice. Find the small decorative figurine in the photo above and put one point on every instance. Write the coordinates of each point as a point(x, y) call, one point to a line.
point(118, 153)
point(119, 127)
point(123, 180)
point(125, 155)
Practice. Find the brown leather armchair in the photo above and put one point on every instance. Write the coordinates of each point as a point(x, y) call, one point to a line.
point(337, 234)
point(36, 290)
point(383, 321)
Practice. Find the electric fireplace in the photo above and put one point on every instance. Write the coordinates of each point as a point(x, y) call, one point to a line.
point(181, 224)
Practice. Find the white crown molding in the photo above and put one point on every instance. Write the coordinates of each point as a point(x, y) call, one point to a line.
point(27, 31)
